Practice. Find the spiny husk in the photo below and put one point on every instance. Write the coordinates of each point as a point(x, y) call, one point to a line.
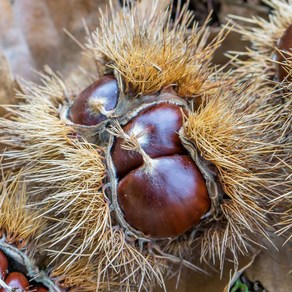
point(244, 133)
point(80, 275)
point(284, 227)
point(283, 203)
point(264, 36)
point(65, 178)
point(19, 224)
point(286, 85)
point(130, 265)
point(150, 52)
point(113, 262)
point(66, 173)
point(57, 168)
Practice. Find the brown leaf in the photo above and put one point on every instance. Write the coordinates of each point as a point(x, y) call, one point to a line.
point(6, 83)
point(31, 33)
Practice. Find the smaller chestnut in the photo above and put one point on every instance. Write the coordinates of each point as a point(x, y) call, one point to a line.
point(90, 105)
point(39, 288)
point(156, 129)
point(17, 281)
point(285, 45)
point(166, 198)
point(3, 265)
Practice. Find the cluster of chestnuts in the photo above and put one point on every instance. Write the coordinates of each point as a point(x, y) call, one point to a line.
point(15, 279)
point(161, 192)
point(168, 166)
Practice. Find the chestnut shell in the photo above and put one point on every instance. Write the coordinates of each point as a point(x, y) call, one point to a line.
point(17, 280)
point(285, 44)
point(3, 265)
point(164, 200)
point(103, 89)
point(39, 288)
point(161, 124)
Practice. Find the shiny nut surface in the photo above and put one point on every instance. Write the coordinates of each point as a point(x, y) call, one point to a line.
point(85, 110)
point(166, 200)
point(157, 129)
point(38, 288)
point(17, 280)
point(3, 265)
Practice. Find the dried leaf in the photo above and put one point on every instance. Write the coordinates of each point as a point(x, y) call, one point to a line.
point(6, 83)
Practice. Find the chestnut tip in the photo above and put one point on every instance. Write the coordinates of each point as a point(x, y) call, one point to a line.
point(90, 106)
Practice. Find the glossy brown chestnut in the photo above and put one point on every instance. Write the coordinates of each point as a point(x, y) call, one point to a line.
point(157, 130)
point(104, 91)
point(285, 44)
point(3, 265)
point(39, 288)
point(166, 199)
point(17, 280)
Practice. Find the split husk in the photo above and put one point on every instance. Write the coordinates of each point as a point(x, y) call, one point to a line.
point(264, 35)
point(19, 227)
point(234, 131)
point(262, 63)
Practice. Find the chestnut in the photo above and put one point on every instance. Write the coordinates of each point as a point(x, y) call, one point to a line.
point(16, 280)
point(156, 129)
point(285, 44)
point(165, 199)
point(39, 288)
point(3, 265)
point(90, 105)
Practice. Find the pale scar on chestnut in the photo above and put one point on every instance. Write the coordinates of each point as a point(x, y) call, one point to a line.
point(101, 94)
